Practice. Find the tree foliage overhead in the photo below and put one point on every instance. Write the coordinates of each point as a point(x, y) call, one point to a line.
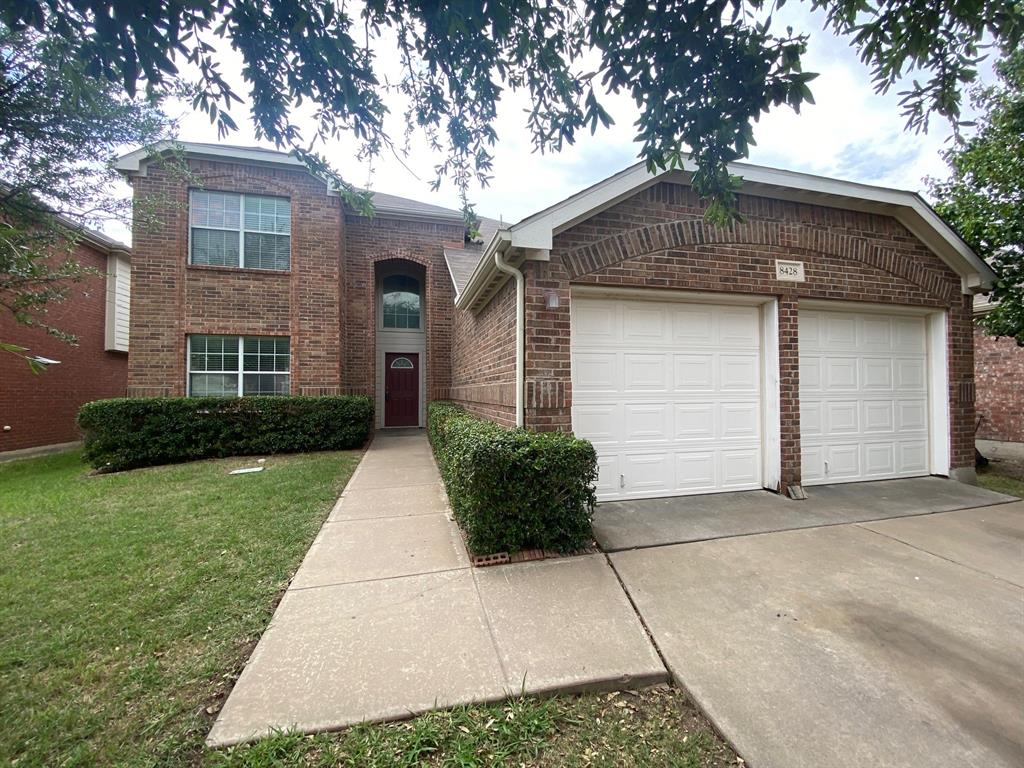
point(58, 130)
point(984, 196)
point(700, 72)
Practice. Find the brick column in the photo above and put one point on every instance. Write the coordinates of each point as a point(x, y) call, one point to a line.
point(789, 389)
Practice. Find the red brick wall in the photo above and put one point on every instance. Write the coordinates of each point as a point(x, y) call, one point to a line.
point(171, 299)
point(484, 360)
point(999, 374)
point(41, 409)
point(658, 238)
point(325, 303)
point(377, 241)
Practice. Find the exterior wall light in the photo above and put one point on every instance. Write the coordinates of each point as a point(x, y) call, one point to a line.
point(551, 300)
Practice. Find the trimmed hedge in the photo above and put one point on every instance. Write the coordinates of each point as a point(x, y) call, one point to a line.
point(512, 489)
point(127, 433)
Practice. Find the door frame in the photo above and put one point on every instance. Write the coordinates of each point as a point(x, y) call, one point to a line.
point(771, 392)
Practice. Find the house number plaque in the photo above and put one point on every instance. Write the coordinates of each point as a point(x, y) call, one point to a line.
point(793, 271)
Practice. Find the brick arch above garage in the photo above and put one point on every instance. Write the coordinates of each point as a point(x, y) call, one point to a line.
point(747, 250)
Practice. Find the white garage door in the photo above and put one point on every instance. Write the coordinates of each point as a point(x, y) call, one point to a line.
point(669, 394)
point(863, 397)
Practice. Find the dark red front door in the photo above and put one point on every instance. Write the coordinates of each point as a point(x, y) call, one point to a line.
point(401, 389)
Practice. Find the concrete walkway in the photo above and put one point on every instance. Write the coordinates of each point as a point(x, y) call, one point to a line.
point(386, 619)
point(895, 643)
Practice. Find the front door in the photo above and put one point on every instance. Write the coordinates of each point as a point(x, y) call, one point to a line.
point(401, 389)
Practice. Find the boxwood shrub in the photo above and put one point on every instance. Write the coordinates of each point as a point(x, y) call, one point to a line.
point(126, 433)
point(512, 489)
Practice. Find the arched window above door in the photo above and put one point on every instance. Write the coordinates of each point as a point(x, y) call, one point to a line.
point(402, 362)
point(401, 302)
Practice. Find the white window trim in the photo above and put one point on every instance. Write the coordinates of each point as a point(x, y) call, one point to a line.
point(240, 373)
point(241, 230)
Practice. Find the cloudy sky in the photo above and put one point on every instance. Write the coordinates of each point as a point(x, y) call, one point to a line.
point(849, 133)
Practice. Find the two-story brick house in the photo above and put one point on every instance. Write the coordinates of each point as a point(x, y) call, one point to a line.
point(824, 338)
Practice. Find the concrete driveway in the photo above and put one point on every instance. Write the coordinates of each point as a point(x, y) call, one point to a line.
point(890, 643)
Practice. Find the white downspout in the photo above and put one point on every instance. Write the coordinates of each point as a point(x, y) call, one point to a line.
point(520, 332)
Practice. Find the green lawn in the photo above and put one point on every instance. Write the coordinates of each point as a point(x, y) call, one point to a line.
point(1003, 480)
point(129, 603)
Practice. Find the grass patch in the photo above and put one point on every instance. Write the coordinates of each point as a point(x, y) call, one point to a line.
point(129, 601)
point(654, 727)
point(1001, 480)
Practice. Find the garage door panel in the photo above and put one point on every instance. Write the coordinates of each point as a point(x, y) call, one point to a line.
point(864, 399)
point(741, 468)
point(603, 423)
point(672, 399)
point(646, 422)
point(695, 471)
point(740, 421)
point(599, 372)
point(738, 328)
point(910, 374)
point(643, 324)
point(607, 474)
point(842, 417)
point(810, 374)
point(878, 416)
point(693, 421)
point(912, 456)
point(739, 373)
point(811, 420)
point(596, 326)
point(842, 461)
point(647, 372)
point(911, 415)
point(877, 332)
point(879, 459)
point(876, 373)
point(840, 332)
point(812, 463)
point(840, 374)
point(909, 334)
point(647, 472)
point(693, 326)
point(694, 373)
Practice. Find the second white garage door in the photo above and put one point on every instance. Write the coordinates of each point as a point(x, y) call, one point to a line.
point(863, 396)
point(669, 394)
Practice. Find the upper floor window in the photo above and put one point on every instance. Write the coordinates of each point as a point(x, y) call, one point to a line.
point(229, 229)
point(401, 299)
point(238, 365)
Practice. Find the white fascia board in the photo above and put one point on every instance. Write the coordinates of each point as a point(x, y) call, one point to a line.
point(134, 163)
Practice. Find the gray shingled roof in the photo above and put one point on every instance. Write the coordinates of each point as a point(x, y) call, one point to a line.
point(386, 203)
point(462, 261)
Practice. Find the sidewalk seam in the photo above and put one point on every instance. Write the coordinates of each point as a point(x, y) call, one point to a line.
point(936, 555)
point(490, 632)
point(378, 578)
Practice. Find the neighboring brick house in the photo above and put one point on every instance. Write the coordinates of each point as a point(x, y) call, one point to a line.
point(824, 338)
point(38, 410)
point(999, 377)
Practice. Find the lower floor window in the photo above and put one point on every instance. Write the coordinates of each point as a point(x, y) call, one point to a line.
point(238, 365)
